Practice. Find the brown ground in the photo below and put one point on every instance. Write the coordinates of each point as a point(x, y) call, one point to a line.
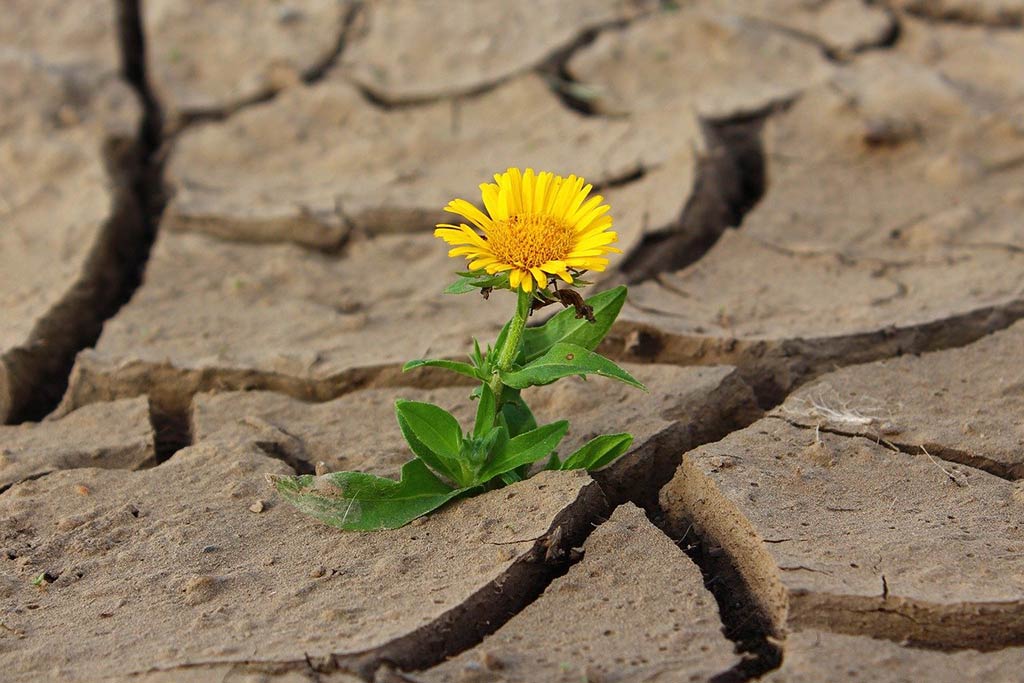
point(215, 246)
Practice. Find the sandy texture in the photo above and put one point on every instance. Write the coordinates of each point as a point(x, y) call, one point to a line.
point(217, 315)
point(212, 57)
point(320, 163)
point(813, 656)
point(896, 160)
point(993, 12)
point(723, 65)
point(842, 533)
point(730, 308)
point(842, 27)
point(134, 555)
point(114, 435)
point(80, 34)
point(979, 59)
point(964, 405)
point(638, 609)
point(892, 208)
point(684, 407)
point(819, 204)
point(478, 45)
point(68, 228)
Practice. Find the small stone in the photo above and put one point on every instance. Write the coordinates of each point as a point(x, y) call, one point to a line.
point(210, 549)
point(256, 507)
point(491, 662)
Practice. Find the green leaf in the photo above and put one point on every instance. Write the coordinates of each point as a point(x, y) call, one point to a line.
point(510, 477)
point(434, 435)
point(525, 449)
point(565, 360)
point(566, 327)
point(486, 411)
point(460, 286)
point(499, 343)
point(355, 501)
point(598, 452)
point(477, 450)
point(477, 357)
point(492, 354)
point(553, 463)
point(468, 281)
point(455, 366)
point(518, 416)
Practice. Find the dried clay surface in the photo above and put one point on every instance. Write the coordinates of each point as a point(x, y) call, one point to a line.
point(69, 229)
point(682, 408)
point(113, 435)
point(828, 310)
point(895, 159)
point(992, 12)
point(220, 315)
point(893, 209)
point(846, 534)
point(814, 656)
point(638, 610)
point(212, 57)
point(319, 163)
point(965, 405)
point(480, 44)
point(842, 27)
point(724, 65)
point(133, 554)
point(82, 34)
point(215, 241)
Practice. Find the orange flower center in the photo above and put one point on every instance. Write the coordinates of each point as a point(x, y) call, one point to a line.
point(530, 240)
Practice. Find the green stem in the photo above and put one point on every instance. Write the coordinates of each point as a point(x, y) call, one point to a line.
point(511, 348)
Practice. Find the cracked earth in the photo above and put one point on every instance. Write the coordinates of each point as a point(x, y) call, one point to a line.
point(215, 255)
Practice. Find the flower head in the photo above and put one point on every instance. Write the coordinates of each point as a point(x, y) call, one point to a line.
point(536, 225)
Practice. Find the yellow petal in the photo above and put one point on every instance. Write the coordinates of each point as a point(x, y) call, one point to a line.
point(557, 268)
point(512, 185)
point(451, 235)
point(592, 208)
point(599, 224)
point(527, 282)
point(489, 194)
point(598, 240)
point(469, 212)
point(577, 199)
point(542, 197)
point(587, 262)
point(528, 191)
point(462, 234)
point(564, 190)
point(542, 279)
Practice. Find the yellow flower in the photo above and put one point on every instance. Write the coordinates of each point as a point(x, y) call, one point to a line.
point(536, 225)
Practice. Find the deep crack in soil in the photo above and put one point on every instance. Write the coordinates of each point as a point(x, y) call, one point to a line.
point(736, 153)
